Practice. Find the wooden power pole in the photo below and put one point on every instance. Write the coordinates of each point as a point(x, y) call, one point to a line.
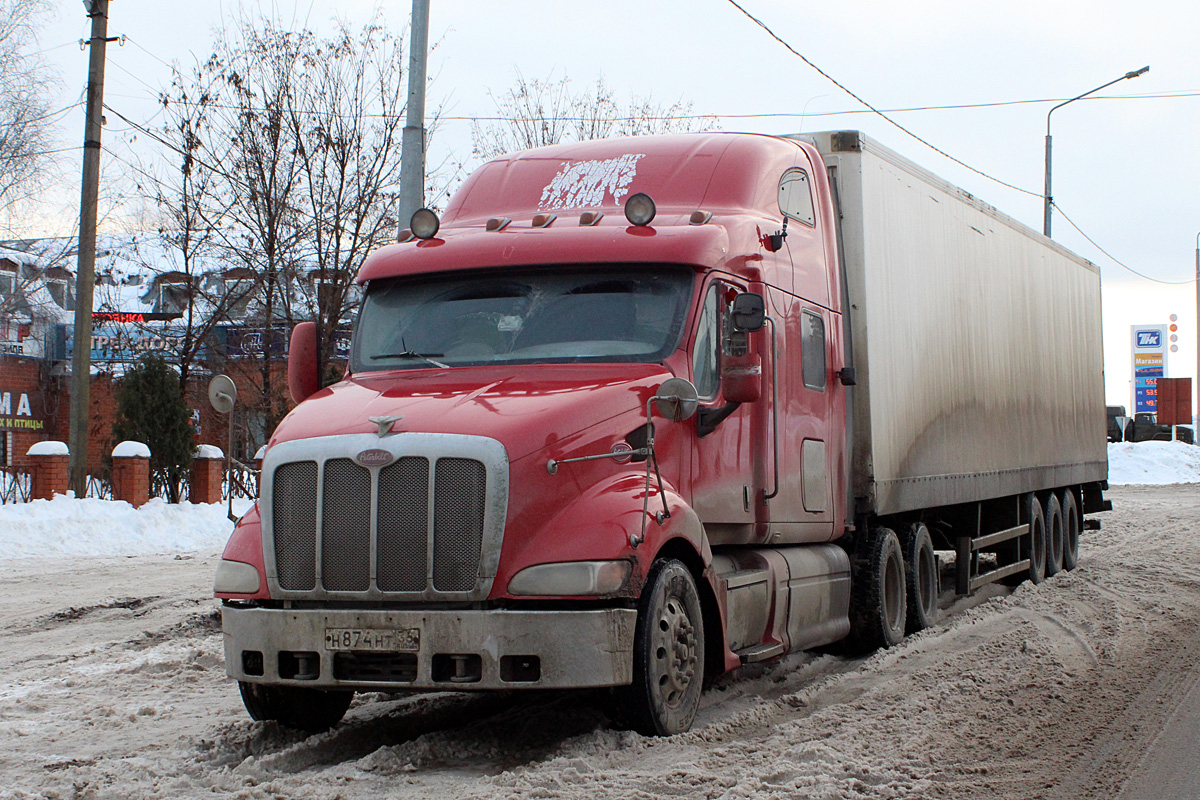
point(81, 362)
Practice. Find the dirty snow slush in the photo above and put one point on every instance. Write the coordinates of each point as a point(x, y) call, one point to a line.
point(114, 686)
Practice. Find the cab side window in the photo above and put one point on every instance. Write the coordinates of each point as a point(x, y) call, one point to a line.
point(708, 334)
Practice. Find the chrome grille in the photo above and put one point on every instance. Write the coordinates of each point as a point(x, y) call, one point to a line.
point(457, 523)
point(294, 512)
point(403, 525)
point(346, 527)
point(428, 524)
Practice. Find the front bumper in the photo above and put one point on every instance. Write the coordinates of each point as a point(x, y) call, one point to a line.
point(451, 650)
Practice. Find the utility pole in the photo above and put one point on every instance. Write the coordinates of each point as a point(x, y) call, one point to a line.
point(412, 154)
point(1047, 197)
point(81, 362)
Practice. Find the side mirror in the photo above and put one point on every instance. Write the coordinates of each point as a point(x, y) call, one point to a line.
point(677, 399)
point(302, 361)
point(749, 312)
point(741, 378)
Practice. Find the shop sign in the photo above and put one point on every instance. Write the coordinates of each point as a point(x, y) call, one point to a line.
point(21, 411)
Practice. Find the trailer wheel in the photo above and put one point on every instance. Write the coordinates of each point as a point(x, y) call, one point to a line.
point(1054, 535)
point(921, 578)
point(1070, 518)
point(668, 653)
point(309, 710)
point(1037, 539)
point(877, 592)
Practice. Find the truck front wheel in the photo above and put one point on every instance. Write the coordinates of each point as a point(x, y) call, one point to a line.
point(309, 710)
point(668, 653)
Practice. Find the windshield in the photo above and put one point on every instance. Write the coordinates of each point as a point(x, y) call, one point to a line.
point(601, 313)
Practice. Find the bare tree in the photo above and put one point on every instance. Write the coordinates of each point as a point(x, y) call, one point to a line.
point(25, 86)
point(539, 112)
point(346, 120)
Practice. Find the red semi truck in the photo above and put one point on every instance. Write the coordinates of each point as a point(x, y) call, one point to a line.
point(635, 412)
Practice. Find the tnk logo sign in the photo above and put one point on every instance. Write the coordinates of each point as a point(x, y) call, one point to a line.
point(1149, 338)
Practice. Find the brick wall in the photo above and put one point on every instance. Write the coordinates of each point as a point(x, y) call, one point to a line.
point(23, 375)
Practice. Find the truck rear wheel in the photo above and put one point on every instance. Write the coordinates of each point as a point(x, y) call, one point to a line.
point(1070, 517)
point(668, 653)
point(921, 578)
point(1037, 539)
point(1054, 536)
point(309, 710)
point(877, 592)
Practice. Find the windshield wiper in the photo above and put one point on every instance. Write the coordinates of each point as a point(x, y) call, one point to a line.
point(414, 354)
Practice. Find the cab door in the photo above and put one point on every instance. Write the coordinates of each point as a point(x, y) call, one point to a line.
point(723, 455)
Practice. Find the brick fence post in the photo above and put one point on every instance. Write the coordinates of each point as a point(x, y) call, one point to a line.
point(131, 473)
point(208, 467)
point(48, 469)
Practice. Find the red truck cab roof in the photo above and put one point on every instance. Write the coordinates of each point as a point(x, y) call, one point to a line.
point(733, 177)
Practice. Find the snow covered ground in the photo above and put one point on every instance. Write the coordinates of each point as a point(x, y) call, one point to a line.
point(112, 684)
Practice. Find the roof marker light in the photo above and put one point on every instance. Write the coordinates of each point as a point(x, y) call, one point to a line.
point(699, 217)
point(497, 224)
point(590, 218)
point(639, 209)
point(544, 220)
point(405, 235)
point(425, 223)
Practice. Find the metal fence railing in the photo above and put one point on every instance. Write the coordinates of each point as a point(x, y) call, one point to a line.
point(16, 484)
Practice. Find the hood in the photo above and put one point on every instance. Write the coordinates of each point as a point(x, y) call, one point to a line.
point(527, 412)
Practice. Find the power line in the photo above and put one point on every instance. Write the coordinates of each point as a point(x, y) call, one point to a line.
point(884, 116)
point(1114, 259)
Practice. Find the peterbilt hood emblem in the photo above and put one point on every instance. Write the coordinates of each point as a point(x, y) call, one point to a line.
point(374, 458)
point(385, 424)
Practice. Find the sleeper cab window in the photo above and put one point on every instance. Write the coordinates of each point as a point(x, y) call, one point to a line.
point(795, 197)
point(812, 350)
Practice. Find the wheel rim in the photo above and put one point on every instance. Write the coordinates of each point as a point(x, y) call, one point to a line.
point(1070, 537)
point(1037, 552)
point(674, 651)
point(893, 593)
point(927, 579)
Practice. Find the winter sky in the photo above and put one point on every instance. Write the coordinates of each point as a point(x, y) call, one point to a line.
point(1126, 169)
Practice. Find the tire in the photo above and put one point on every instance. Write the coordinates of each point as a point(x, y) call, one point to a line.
point(1037, 539)
point(921, 578)
point(1054, 535)
point(877, 592)
point(668, 654)
point(309, 710)
point(1071, 525)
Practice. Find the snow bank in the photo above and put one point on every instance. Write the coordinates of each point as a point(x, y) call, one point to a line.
point(65, 526)
point(1153, 463)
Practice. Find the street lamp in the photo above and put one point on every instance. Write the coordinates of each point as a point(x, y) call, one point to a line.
point(1047, 197)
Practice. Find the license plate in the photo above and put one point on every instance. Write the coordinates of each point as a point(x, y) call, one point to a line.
point(380, 639)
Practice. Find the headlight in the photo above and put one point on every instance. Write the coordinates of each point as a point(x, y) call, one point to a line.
point(234, 577)
point(571, 578)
